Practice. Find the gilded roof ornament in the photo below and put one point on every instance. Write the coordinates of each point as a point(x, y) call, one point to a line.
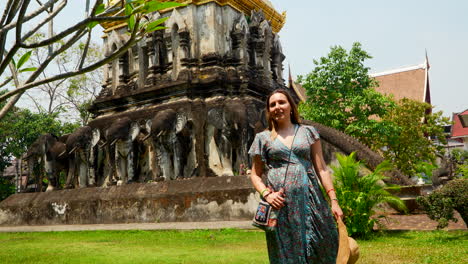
point(246, 6)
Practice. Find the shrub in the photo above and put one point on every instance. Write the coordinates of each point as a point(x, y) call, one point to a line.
point(359, 195)
point(6, 188)
point(440, 204)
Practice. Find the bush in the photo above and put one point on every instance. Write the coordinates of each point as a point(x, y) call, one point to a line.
point(440, 204)
point(6, 188)
point(359, 195)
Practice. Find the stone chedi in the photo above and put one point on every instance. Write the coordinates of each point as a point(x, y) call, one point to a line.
point(183, 103)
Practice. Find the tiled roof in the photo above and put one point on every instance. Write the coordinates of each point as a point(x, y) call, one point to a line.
point(11, 170)
point(457, 128)
point(409, 82)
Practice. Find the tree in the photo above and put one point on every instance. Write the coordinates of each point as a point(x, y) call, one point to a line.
point(70, 97)
point(17, 13)
point(21, 127)
point(341, 95)
point(410, 147)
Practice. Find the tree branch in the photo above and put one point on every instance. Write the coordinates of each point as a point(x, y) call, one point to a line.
point(68, 31)
point(44, 21)
point(30, 84)
point(30, 16)
point(7, 80)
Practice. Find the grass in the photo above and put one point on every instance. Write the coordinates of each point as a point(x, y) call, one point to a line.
point(213, 246)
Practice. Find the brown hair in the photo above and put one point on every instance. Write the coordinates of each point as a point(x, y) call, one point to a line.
point(294, 116)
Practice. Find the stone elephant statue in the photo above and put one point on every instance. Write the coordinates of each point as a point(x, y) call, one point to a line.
point(173, 145)
point(119, 143)
point(226, 137)
point(46, 155)
point(82, 158)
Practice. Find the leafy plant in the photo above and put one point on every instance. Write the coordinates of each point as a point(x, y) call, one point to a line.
point(6, 188)
point(341, 95)
point(360, 194)
point(409, 148)
point(440, 204)
point(460, 158)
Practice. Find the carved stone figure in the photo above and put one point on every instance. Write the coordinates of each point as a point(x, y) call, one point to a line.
point(173, 156)
point(46, 152)
point(82, 160)
point(120, 137)
point(226, 132)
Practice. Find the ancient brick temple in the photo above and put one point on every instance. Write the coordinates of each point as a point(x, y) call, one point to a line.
point(200, 84)
point(172, 125)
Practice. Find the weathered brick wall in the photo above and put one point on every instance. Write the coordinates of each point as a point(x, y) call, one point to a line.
point(196, 199)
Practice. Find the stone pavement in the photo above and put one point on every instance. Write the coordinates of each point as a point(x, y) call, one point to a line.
point(393, 222)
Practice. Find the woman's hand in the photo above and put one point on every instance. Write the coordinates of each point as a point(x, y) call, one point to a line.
point(336, 209)
point(276, 199)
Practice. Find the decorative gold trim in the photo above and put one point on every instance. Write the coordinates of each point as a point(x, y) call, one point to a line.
point(246, 6)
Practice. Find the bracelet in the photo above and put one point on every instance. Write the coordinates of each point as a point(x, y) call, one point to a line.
point(265, 196)
point(261, 194)
point(334, 199)
point(330, 190)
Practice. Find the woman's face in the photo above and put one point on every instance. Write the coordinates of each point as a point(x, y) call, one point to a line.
point(279, 107)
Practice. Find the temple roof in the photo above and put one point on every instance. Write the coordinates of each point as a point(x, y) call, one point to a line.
point(246, 6)
point(408, 82)
point(458, 130)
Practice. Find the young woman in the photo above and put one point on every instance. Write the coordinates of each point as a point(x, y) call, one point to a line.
point(306, 231)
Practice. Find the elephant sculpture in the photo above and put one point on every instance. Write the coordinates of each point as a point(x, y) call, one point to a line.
point(226, 137)
point(81, 151)
point(173, 147)
point(45, 155)
point(120, 137)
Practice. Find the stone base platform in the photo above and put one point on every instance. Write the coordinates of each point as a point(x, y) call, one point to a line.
point(196, 199)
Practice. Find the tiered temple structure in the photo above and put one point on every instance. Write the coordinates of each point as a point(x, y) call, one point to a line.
point(207, 74)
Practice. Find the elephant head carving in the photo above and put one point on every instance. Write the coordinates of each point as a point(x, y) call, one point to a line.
point(79, 147)
point(122, 129)
point(120, 150)
point(171, 140)
point(164, 122)
point(226, 131)
point(46, 152)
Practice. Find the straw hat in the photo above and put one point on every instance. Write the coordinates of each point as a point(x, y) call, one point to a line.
point(348, 251)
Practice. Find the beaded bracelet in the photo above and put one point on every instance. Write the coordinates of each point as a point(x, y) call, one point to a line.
point(261, 194)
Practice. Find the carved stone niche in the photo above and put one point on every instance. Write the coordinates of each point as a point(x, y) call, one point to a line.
point(193, 50)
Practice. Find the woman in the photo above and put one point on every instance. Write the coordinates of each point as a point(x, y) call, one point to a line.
point(306, 231)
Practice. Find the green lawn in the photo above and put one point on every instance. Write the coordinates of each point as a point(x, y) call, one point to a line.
point(207, 246)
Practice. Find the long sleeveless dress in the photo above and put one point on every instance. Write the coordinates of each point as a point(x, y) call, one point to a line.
point(306, 231)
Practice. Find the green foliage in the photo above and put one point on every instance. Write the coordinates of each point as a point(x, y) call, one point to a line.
point(21, 127)
point(341, 95)
point(440, 204)
point(136, 8)
point(460, 158)
point(410, 145)
point(6, 188)
point(213, 247)
point(360, 194)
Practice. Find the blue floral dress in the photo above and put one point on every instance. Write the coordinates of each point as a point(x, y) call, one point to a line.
point(306, 231)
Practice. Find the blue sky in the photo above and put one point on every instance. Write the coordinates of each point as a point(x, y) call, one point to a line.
point(396, 33)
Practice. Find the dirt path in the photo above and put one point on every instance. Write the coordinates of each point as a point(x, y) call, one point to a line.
point(393, 222)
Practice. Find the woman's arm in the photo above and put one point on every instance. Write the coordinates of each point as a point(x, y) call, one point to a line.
point(274, 198)
point(325, 177)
